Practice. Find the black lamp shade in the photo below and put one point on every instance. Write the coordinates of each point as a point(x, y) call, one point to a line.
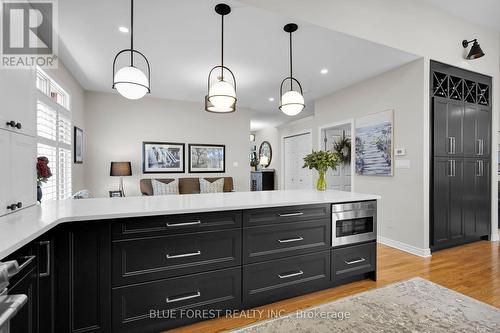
point(475, 51)
point(120, 169)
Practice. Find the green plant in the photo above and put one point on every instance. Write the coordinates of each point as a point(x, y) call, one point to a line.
point(343, 148)
point(322, 160)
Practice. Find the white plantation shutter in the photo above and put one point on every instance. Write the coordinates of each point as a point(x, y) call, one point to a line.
point(54, 130)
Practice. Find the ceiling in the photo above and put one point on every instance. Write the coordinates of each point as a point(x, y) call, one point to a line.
point(482, 12)
point(181, 39)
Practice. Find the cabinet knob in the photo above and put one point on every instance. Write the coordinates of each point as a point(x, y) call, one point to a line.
point(19, 204)
point(12, 123)
point(12, 207)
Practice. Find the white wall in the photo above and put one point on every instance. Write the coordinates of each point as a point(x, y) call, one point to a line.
point(66, 80)
point(400, 209)
point(116, 128)
point(415, 27)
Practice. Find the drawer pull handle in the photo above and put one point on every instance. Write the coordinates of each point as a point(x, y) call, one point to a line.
point(290, 240)
point(285, 276)
point(183, 255)
point(291, 214)
point(183, 298)
point(356, 261)
point(182, 224)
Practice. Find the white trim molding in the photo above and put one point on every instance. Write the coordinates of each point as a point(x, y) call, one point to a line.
point(494, 237)
point(404, 247)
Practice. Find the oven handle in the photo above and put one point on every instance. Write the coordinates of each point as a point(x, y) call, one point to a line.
point(16, 302)
point(353, 215)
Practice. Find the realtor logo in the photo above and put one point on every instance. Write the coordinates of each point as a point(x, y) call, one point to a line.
point(28, 34)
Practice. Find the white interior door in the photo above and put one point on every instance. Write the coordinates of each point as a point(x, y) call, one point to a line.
point(295, 149)
point(340, 178)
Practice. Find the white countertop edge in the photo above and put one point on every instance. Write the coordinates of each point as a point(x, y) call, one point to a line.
point(41, 224)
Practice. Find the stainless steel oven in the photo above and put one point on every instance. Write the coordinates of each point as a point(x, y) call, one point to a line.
point(354, 222)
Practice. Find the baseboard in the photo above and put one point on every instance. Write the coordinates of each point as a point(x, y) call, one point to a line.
point(494, 238)
point(404, 247)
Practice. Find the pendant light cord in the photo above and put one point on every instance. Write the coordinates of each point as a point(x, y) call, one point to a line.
point(132, 33)
point(291, 76)
point(222, 51)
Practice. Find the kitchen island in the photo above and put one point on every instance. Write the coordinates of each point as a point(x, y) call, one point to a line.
point(136, 264)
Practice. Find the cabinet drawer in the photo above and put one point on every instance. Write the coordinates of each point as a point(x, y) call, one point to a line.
point(287, 239)
point(132, 305)
point(283, 278)
point(175, 224)
point(353, 260)
point(274, 215)
point(140, 260)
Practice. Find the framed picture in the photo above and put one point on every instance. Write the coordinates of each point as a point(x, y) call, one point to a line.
point(115, 194)
point(374, 144)
point(207, 158)
point(78, 146)
point(162, 157)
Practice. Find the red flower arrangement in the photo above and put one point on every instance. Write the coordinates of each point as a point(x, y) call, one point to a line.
point(43, 170)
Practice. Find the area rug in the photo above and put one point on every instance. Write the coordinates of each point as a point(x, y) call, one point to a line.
point(416, 305)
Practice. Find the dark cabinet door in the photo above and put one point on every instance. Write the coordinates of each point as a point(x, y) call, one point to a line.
point(447, 200)
point(26, 320)
point(477, 212)
point(448, 124)
point(46, 288)
point(483, 206)
point(477, 131)
point(84, 278)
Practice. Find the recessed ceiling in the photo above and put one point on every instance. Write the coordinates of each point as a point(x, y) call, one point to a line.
point(481, 12)
point(182, 42)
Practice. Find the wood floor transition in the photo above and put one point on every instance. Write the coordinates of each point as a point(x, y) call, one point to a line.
point(472, 269)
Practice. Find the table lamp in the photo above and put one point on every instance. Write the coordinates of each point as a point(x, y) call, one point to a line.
point(120, 169)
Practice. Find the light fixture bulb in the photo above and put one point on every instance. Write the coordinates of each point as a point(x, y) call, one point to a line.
point(271, 99)
point(131, 82)
point(123, 29)
point(292, 103)
point(324, 71)
point(222, 96)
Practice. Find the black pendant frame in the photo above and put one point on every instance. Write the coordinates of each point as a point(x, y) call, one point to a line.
point(132, 52)
point(222, 9)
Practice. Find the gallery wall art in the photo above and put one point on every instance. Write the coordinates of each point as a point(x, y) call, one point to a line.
point(162, 157)
point(374, 144)
point(207, 158)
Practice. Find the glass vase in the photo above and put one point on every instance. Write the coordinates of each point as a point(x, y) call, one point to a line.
point(321, 184)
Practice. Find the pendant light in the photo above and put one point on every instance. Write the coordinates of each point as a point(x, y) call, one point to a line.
point(130, 81)
point(221, 96)
point(292, 101)
point(475, 51)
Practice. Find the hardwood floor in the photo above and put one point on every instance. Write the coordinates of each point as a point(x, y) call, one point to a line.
point(472, 269)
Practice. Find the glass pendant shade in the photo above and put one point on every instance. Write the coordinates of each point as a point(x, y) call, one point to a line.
point(222, 96)
point(292, 103)
point(131, 82)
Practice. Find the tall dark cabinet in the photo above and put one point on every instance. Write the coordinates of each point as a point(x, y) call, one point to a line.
point(461, 156)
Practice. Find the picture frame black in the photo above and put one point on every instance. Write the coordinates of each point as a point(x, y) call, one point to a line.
point(77, 145)
point(193, 146)
point(165, 145)
point(116, 194)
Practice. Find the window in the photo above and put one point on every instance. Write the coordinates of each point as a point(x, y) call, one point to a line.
point(54, 136)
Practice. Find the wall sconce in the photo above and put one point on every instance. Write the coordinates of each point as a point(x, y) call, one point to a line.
point(475, 51)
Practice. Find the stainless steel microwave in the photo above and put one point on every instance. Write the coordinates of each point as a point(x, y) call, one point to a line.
point(354, 222)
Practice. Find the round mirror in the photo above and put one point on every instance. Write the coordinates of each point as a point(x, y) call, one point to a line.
point(265, 154)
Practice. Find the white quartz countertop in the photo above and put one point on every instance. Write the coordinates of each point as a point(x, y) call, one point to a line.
point(20, 228)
